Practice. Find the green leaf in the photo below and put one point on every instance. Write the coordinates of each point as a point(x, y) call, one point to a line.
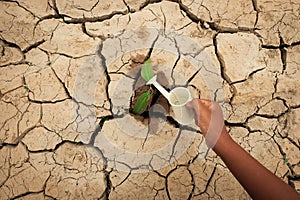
point(26, 88)
point(142, 103)
point(285, 160)
point(104, 119)
point(147, 71)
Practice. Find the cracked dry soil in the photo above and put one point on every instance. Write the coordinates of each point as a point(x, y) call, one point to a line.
point(68, 69)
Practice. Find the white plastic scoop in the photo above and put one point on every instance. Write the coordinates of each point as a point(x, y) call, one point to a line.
point(178, 98)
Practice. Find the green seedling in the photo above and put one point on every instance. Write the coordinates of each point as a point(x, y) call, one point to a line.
point(26, 88)
point(104, 119)
point(285, 160)
point(147, 71)
point(144, 100)
point(142, 103)
point(29, 64)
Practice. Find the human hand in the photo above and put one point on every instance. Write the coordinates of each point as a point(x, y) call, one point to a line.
point(258, 181)
point(209, 117)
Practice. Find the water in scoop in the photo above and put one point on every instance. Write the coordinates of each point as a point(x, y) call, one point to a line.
point(177, 99)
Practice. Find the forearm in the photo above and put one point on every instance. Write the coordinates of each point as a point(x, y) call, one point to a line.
point(258, 181)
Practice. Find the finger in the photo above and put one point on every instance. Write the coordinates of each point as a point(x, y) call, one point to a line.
point(205, 102)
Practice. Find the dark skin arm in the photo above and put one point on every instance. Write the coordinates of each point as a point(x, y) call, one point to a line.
point(257, 180)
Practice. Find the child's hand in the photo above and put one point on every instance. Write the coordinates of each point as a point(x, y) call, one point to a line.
point(259, 182)
point(209, 117)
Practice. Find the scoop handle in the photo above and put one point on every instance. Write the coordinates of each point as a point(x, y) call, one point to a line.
point(161, 89)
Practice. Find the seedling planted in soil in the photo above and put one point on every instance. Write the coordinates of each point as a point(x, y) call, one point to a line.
point(144, 100)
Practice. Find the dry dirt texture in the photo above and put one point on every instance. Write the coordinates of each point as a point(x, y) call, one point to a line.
point(68, 69)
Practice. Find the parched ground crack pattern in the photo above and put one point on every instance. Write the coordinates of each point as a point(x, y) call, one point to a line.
point(65, 66)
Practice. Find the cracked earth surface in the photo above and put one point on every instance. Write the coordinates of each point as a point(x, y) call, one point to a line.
point(68, 70)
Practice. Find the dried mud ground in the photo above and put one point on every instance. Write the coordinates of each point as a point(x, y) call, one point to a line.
point(68, 70)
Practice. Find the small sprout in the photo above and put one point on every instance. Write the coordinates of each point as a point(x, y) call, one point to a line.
point(41, 114)
point(48, 62)
point(104, 119)
point(142, 103)
point(26, 88)
point(147, 71)
point(29, 64)
point(285, 160)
